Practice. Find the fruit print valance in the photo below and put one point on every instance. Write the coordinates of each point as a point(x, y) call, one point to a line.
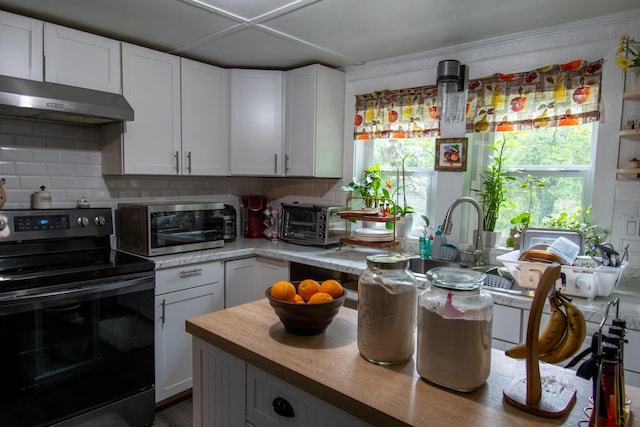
point(402, 113)
point(554, 95)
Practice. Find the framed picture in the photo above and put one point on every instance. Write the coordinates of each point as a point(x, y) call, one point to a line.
point(451, 154)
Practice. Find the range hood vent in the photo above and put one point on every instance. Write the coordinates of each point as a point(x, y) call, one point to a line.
point(31, 99)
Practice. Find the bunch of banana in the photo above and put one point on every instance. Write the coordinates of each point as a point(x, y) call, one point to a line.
point(562, 337)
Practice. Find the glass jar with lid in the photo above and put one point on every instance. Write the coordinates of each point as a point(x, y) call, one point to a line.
point(455, 318)
point(387, 301)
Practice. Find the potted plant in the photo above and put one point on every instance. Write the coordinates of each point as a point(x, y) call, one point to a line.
point(405, 224)
point(367, 186)
point(521, 221)
point(493, 195)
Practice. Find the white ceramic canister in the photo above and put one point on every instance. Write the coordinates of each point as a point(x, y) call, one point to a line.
point(41, 199)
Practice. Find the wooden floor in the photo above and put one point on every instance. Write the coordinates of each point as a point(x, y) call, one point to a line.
point(176, 414)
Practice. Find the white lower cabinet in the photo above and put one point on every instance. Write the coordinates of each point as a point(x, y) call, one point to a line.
point(506, 326)
point(247, 279)
point(229, 392)
point(181, 293)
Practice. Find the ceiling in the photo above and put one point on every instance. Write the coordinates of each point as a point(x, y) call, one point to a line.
point(284, 34)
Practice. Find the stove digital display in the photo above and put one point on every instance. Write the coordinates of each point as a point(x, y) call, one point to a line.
point(37, 223)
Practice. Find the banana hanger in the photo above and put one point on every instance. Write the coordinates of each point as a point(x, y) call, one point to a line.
point(546, 396)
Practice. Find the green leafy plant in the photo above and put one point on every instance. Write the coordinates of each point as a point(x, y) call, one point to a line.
point(367, 186)
point(493, 195)
point(529, 185)
point(578, 220)
point(404, 208)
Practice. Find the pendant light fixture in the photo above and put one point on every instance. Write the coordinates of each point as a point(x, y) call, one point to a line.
point(452, 82)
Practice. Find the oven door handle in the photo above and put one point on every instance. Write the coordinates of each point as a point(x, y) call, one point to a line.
point(34, 295)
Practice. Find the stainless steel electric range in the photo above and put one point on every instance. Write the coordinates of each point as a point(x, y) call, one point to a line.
point(76, 322)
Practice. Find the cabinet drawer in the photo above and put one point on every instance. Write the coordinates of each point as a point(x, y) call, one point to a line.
point(263, 389)
point(187, 276)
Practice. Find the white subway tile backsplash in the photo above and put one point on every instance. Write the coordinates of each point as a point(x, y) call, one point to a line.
point(33, 182)
point(47, 156)
point(89, 170)
point(16, 127)
point(75, 156)
point(26, 169)
point(30, 141)
point(65, 182)
point(14, 154)
point(7, 168)
point(60, 169)
point(47, 129)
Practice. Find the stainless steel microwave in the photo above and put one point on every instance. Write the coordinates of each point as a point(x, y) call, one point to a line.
point(166, 228)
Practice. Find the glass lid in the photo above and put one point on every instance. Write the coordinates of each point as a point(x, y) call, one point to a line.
point(458, 279)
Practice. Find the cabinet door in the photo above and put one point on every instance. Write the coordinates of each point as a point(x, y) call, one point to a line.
point(241, 281)
point(205, 119)
point(269, 272)
point(173, 343)
point(151, 84)
point(20, 46)
point(81, 59)
point(506, 326)
point(256, 122)
point(314, 121)
point(219, 387)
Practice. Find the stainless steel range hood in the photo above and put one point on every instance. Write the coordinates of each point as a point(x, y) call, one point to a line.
point(61, 103)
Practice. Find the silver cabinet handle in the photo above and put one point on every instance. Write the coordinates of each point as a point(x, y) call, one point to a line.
point(275, 164)
point(286, 163)
point(189, 273)
point(162, 316)
point(177, 156)
point(189, 161)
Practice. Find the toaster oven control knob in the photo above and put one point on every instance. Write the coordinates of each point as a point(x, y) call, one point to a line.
point(100, 221)
point(321, 227)
point(83, 221)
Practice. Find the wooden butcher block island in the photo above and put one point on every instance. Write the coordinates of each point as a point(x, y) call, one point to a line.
point(244, 361)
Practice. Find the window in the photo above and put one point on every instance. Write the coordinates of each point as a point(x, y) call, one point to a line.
point(418, 154)
point(560, 159)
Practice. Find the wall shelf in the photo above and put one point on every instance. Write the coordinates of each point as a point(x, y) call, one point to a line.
point(628, 138)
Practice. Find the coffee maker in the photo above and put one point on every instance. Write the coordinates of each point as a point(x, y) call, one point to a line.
point(253, 216)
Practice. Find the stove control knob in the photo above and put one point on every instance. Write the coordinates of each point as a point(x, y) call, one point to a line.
point(100, 221)
point(83, 221)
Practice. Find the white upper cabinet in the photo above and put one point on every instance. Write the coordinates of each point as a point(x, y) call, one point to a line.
point(205, 119)
point(314, 121)
point(76, 58)
point(256, 122)
point(20, 46)
point(151, 84)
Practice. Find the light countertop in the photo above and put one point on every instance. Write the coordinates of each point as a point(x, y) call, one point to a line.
point(352, 260)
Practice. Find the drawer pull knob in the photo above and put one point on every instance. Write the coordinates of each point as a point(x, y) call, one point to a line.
point(282, 407)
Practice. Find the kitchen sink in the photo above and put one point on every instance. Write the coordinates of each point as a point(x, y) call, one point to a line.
point(420, 267)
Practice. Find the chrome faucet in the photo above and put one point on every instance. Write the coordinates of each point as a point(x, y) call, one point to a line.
point(447, 225)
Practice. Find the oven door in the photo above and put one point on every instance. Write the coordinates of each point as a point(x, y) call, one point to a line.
point(68, 351)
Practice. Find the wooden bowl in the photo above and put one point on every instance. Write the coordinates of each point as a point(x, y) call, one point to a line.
point(305, 319)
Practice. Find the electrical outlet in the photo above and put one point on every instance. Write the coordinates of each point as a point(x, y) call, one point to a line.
point(631, 226)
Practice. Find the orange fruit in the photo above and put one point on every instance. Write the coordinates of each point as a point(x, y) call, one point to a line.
point(320, 297)
point(283, 291)
point(331, 287)
point(308, 287)
point(298, 299)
